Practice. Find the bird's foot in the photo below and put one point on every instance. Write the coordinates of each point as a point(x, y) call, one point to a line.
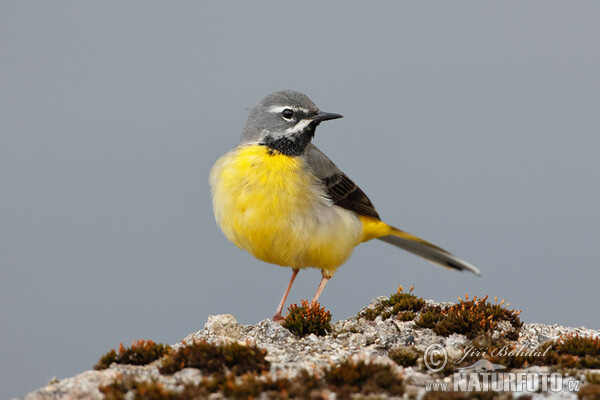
point(278, 318)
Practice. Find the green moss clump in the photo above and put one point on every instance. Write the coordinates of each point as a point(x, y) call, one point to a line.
point(307, 319)
point(475, 317)
point(398, 302)
point(405, 356)
point(429, 317)
point(349, 378)
point(212, 358)
point(405, 316)
point(141, 352)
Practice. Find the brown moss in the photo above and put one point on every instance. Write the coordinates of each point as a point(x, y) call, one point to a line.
point(577, 345)
point(247, 386)
point(581, 351)
point(475, 317)
point(406, 316)
point(141, 352)
point(465, 395)
point(349, 377)
point(589, 392)
point(405, 356)
point(303, 386)
point(512, 355)
point(592, 377)
point(212, 358)
point(430, 316)
point(569, 351)
point(397, 303)
point(140, 390)
point(345, 379)
point(307, 319)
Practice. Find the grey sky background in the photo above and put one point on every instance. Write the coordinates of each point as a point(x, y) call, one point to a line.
point(473, 124)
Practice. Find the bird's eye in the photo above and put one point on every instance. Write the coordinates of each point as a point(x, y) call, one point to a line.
point(287, 114)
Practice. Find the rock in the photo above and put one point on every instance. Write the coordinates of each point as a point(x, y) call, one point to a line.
point(223, 325)
point(354, 338)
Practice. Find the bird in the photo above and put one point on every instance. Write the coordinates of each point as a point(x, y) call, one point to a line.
point(280, 198)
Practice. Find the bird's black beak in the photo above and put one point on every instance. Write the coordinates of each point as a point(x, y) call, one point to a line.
point(323, 116)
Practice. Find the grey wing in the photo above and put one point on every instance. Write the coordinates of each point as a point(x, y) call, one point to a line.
point(340, 189)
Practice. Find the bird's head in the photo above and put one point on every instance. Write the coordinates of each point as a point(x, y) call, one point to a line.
point(284, 121)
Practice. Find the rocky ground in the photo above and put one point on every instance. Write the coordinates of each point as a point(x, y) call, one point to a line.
point(355, 339)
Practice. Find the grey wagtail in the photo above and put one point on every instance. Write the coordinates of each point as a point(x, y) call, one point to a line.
point(277, 196)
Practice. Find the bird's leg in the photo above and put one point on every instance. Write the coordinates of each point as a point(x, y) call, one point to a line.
point(320, 288)
point(277, 316)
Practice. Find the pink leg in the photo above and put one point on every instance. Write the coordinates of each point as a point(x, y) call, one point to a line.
point(320, 288)
point(277, 316)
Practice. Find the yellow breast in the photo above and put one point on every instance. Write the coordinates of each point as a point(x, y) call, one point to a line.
point(272, 206)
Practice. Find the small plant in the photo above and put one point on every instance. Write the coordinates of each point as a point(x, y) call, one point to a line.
point(141, 352)
point(251, 386)
point(350, 377)
point(429, 317)
point(212, 358)
point(568, 351)
point(591, 391)
point(405, 356)
point(592, 377)
point(227, 385)
point(307, 319)
point(577, 345)
point(399, 302)
point(405, 316)
point(584, 351)
point(475, 317)
point(141, 390)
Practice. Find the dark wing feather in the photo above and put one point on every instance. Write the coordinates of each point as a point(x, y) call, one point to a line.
point(340, 189)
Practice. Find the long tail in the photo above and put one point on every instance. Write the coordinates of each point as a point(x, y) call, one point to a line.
point(375, 229)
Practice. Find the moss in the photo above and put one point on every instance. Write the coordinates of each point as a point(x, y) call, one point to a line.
point(465, 395)
point(569, 351)
point(348, 378)
point(212, 358)
point(592, 377)
point(589, 392)
point(140, 390)
point(523, 357)
point(397, 303)
point(577, 345)
point(579, 351)
point(307, 319)
point(406, 316)
point(429, 317)
point(251, 385)
point(405, 356)
point(475, 317)
point(303, 386)
point(141, 352)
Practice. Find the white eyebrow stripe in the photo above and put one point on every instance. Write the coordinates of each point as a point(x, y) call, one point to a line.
point(278, 109)
point(303, 123)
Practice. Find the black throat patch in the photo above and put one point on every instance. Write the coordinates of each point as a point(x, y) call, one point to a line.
point(292, 145)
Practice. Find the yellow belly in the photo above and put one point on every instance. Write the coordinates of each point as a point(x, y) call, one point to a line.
point(269, 205)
